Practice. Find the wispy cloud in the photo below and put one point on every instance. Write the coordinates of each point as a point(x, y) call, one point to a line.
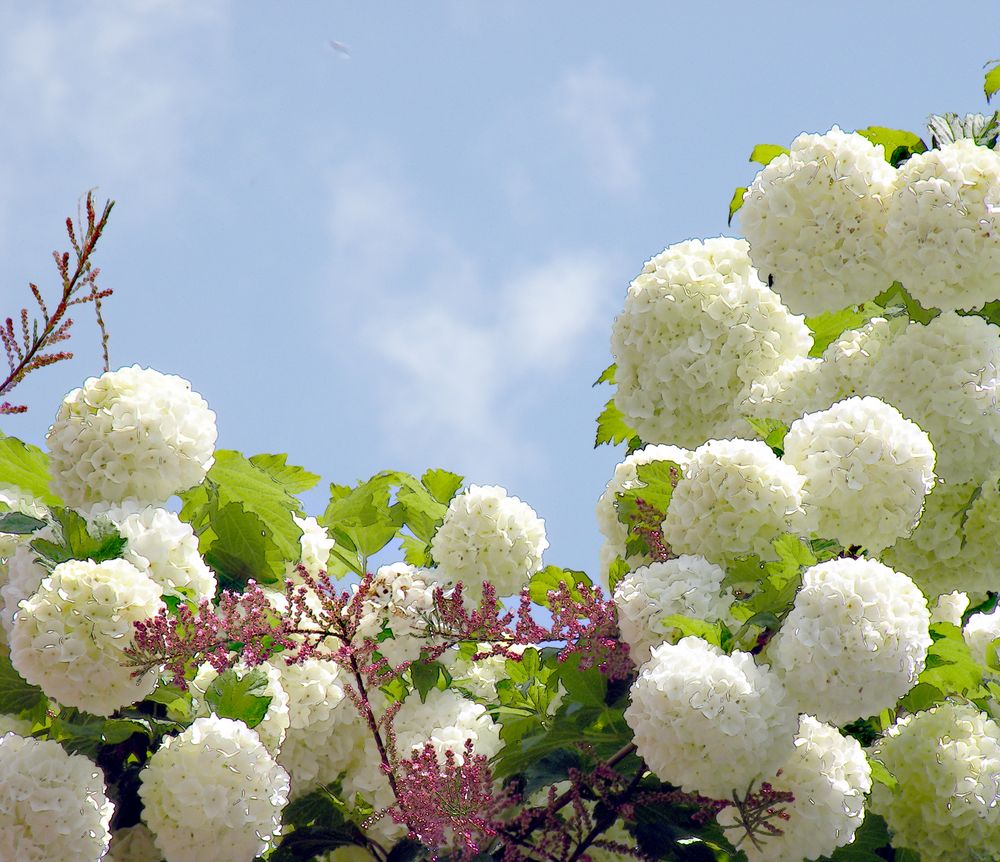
point(606, 119)
point(464, 350)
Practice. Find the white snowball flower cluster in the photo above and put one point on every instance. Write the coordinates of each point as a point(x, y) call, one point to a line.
point(980, 631)
point(13, 499)
point(275, 722)
point(24, 576)
point(399, 598)
point(943, 232)
point(697, 329)
point(130, 433)
point(946, 762)
point(815, 219)
point(13, 724)
point(855, 640)
point(163, 546)
point(949, 608)
point(848, 360)
point(133, 844)
point(954, 545)
point(488, 536)
point(53, 805)
point(315, 546)
point(867, 471)
point(69, 637)
point(687, 585)
point(735, 498)
point(708, 722)
point(479, 677)
point(943, 376)
point(829, 776)
point(214, 785)
point(626, 478)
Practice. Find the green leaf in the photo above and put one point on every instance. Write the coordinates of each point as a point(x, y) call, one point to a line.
point(898, 145)
point(239, 551)
point(989, 312)
point(19, 524)
point(442, 484)
point(82, 733)
point(897, 296)
point(77, 542)
point(616, 571)
point(772, 432)
point(656, 482)
point(311, 842)
point(921, 696)
point(612, 427)
point(422, 511)
point(881, 774)
point(425, 675)
point(950, 666)
point(710, 632)
point(764, 154)
point(872, 835)
point(365, 514)
point(416, 552)
point(293, 479)
point(607, 375)
point(588, 687)
point(735, 203)
point(16, 694)
point(26, 467)
point(829, 326)
point(991, 83)
point(550, 577)
point(239, 698)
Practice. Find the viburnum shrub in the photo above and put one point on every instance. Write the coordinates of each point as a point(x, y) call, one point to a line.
point(790, 651)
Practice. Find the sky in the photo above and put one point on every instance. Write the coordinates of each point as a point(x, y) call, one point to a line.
point(395, 235)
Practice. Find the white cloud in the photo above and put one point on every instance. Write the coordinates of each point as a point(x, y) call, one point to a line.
point(464, 349)
point(607, 119)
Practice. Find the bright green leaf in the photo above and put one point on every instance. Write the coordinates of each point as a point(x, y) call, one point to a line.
point(898, 145)
point(442, 484)
point(293, 479)
point(991, 83)
point(365, 513)
point(78, 542)
point(607, 375)
point(242, 548)
point(772, 432)
point(829, 326)
point(764, 154)
point(26, 467)
point(949, 666)
point(239, 698)
point(549, 579)
point(735, 203)
point(612, 427)
point(616, 571)
point(711, 632)
point(896, 296)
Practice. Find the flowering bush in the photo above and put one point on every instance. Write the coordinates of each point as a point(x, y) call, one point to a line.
point(792, 653)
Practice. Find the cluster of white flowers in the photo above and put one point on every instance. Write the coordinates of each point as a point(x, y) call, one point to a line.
point(855, 639)
point(214, 785)
point(829, 777)
point(815, 219)
point(13, 499)
point(867, 470)
point(275, 722)
point(946, 762)
point(980, 631)
point(315, 546)
point(399, 598)
point(944, 219)
point(688, 585)
point(955, 360)
point(708, 722)
point(70, 635)
point(163, 546)
point(488, 536)
point(949, 608)
point(735, 498)
point(24, 575)
point(626, 478)
point(131, 433)
point(133, 844)
point(53, 805)
point(480, 677)
point(697, 329)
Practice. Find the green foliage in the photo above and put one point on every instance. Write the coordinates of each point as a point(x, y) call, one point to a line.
point(991, 82)
point(76, 542)
point(319, 824)
point(550, 577)
point(17, 696)
point(26, 467)
point(897, 144)
point(588, 687)
point(767, 589)
point(670, 832)
point(18, 524)
point(829, 326)
point(293, 479)
point(240, 698)
point(772, 432)
point(526, 694)
point(441, 484)
point(950, 667)
point(871, 836)
point(82, 733)
point(612, 427)
point(607, 375)
point(764, 154)
point(711, 632)
point(240, 548)
point(616, 571)
point(426, 675)
point(897, 296)
point(735, 203)
point(656, 482)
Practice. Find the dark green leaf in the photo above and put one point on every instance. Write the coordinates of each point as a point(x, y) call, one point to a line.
point(898, 297)
point(872, 835)
point(309, 842)
point(425, 676)
point(607, 375)
point(550, 769)
point(26, 467)
point(16, 695)
point(587, 687)
point(82, 733)
point(735, 203)
point(764, 154)
point(550, 577)
point(240, 549)
point(922, 696)
point(612, 427)
point(76, 542)
point(989, 312)
point(19, 524)
point(318, 808)
point(898, 145)
point(239, 698)
point(293, 479)
point(991, 83)
point(772, 432)
point(442, 484)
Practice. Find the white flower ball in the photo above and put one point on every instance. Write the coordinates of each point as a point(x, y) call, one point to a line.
point(943, 376)
point(488, 536)
point(688, 585)
point(24, 577)
point(53, 805)
point(815, 220)
point(69, 637)
point(954, 545)
point(162, 546)
point(854, 642)
point(133, 844)
point(735, 498)
point(626, 478)
point(400, 598)
point(829, 776)
point(708, 722)
point(848, 360)
point(943, 233)
point(946, 761)
point(867, 471)
point(315, 546)
point(697, 329)
point(799, 386)
point(275, 722)
point(480, 677)
point(980, 631)
point(949, 608)
point(213, 786)
point(130, 433)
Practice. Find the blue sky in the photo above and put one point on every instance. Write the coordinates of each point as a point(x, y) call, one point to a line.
point(411, 256)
